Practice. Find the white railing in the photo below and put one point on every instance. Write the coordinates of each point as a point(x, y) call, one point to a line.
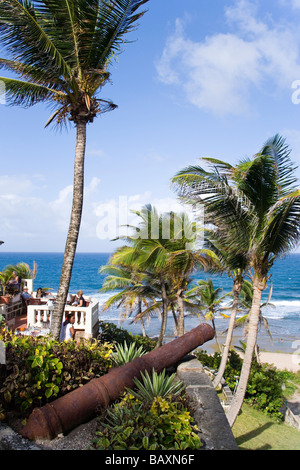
point(86, 318)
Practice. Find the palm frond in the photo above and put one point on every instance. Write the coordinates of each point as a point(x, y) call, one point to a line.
point(27, 35)
point(115, 19)
point(283, 225)
point(26, 94)
point(34, 74)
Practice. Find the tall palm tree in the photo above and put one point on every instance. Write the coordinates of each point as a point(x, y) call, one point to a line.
point(263, 190)
point(213, 189)
point(61, 52)
point(246, 299)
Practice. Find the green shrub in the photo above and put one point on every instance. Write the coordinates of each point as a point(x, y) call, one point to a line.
point(264, 389)
point(151, 417)
point(38, 370)
point(110, 333)
point(134, 425)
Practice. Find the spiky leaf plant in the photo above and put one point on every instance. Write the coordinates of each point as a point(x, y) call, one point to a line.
point(159, 385)
point(125, 353)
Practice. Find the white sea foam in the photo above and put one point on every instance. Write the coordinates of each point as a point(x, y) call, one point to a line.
point(286, 303)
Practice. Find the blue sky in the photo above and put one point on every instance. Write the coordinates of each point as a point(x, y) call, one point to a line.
point(202, 78)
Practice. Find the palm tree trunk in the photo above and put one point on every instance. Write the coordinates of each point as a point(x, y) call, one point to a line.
point(73, 233)
point(141, 320)
point(164, 312)
point(259, 285)
point(180, 327)
point(216, 336)
point(236, 294)
point(175, 318)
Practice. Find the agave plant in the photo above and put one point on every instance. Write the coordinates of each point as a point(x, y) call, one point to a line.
point(126, 353)
point(159, 385)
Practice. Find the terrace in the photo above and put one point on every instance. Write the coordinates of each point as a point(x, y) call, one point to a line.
point(39, 316)
point(34, 316)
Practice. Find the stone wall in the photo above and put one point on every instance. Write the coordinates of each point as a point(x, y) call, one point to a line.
point(208, 413)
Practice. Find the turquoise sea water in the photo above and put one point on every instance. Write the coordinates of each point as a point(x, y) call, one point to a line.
point(283, 318)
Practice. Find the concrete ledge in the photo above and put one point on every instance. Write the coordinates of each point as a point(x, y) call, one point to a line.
point(10, 440)
point(209, 415)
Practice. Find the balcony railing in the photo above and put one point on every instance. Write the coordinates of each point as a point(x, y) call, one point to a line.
point(40, 313)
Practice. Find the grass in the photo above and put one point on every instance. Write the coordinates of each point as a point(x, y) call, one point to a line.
point(255, 431)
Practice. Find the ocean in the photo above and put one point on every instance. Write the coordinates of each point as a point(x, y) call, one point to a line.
point(283, 316)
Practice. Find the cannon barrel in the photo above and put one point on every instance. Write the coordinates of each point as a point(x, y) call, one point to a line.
point(81, 405)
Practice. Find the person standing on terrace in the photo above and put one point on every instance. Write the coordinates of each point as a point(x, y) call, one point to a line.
point(67, 330)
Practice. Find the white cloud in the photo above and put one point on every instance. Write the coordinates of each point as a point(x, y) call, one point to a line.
point(35, 224)
point(219, 72)
point(94, 152)
point(293, 3)
point(25, 217)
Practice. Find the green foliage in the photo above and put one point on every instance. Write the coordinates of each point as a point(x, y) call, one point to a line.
point(112, 334)
point(264, 389)
point(161, 425)
point(151, 417)
point(159, 385)
point(125, 353)
point(38, 370)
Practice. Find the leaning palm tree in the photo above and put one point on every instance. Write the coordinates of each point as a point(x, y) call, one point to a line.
point(269, 205)
point(235, 267)
point(195, 183)
point(246, 299)
point(61, 53)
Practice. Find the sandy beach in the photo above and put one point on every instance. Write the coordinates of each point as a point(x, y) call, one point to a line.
point(282, 353)
point(282, 361)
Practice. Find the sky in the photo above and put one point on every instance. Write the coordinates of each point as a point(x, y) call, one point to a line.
point(200, 78)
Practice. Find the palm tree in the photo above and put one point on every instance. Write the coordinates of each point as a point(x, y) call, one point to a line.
point(163, 245)
point(194, 183)
point(146, 254)
point(262, 191)
point(169, 251)
point(246, 299)
point(135, 289)
point(61, 53)
point(209, 301)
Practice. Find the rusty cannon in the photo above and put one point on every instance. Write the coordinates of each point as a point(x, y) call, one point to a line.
point(81, 405)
